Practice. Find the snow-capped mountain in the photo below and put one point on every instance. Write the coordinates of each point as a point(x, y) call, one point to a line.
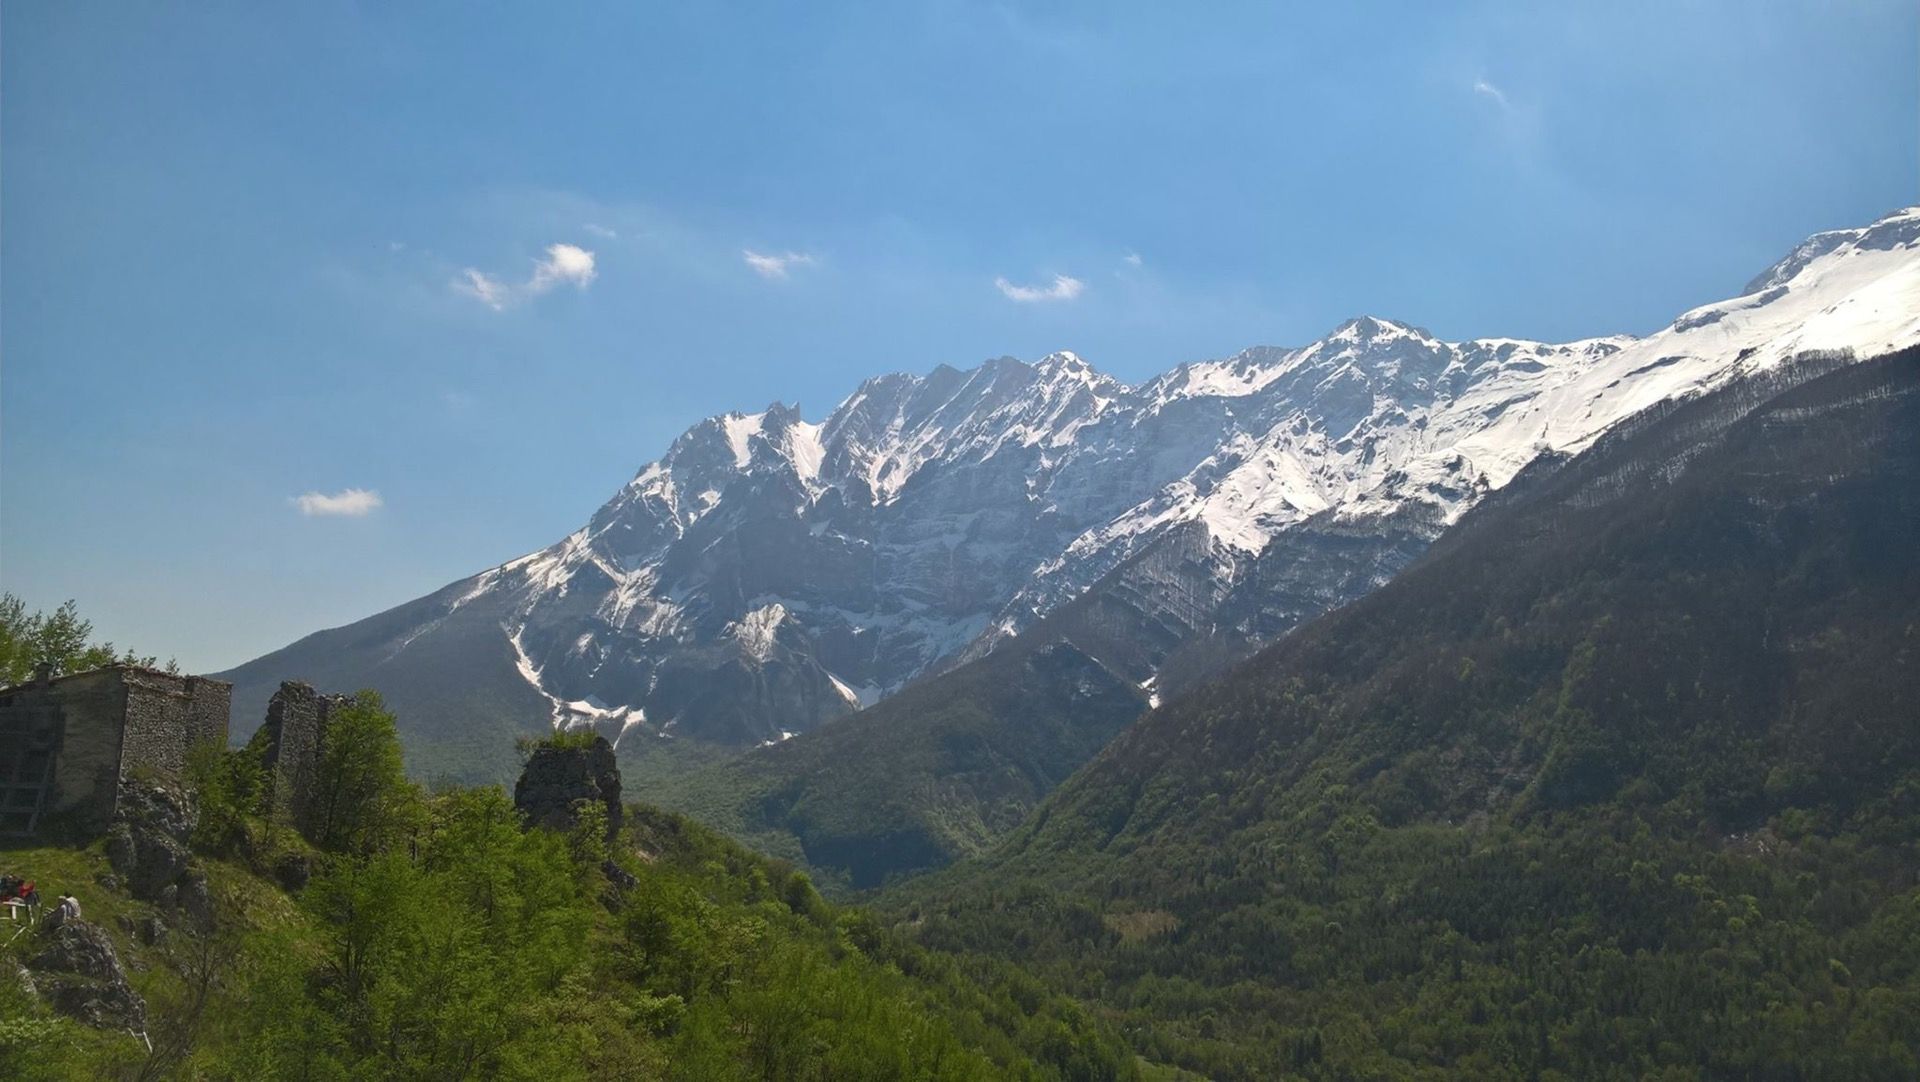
point(769, 574)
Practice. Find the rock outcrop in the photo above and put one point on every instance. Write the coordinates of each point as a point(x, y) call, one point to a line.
point(79, 973)
point(147, 847)
point(558, 775)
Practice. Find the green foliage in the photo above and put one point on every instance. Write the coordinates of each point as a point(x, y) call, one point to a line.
point(229, 788)
point(438, 939)
point(579, 739)
point(361, 797)
point(31, 1038)
point(587, 840)
point(59, 639)
point(803, 899)
point(1607, 942)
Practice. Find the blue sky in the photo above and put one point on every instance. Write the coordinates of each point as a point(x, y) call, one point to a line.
point(486, 260)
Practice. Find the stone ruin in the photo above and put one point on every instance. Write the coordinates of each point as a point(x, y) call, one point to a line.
point(558, 775)
point(68, 744)
point(73, 747)
point(105, 752)
point(293, 740)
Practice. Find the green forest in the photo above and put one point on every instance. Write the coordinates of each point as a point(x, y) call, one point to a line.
point(439, 939)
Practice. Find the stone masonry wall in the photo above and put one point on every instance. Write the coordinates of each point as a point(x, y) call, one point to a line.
point(166, 716)
point(295, 731)
point(97, 727)
point(86, 773)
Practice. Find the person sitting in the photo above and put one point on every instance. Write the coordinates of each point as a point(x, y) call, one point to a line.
point(66, 911)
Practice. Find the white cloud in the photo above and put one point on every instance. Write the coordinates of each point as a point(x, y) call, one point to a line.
point(348, 502)
point(601, 231)
point(1481, 86)
point(1062, 289)
point(565, 264)
point(1131, 259)
point(775, 266)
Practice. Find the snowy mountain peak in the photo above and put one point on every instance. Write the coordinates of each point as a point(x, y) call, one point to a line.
point(768, 573)
point(1373, 328)
point(1899, 228)
point(1065, 362)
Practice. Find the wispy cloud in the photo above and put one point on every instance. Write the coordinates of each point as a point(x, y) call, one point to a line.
point(1062, 289)
point(1131, 259)
point(1499, 96)
point(348, 502)
point(565, 264)
point(776, 265)
point(601, 231)
point(488, 290)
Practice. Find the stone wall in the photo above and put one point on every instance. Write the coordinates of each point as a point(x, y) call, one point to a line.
point(166, 716)
point(66, 744)
point(295, 729)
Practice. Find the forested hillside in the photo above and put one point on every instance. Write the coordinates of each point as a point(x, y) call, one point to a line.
point(943, 770)
point(432, 936)
point(1621, 781)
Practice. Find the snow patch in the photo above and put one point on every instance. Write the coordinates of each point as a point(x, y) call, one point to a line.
point(740, 429)
point(860, 697)
point(756, 631)
point(803, 442)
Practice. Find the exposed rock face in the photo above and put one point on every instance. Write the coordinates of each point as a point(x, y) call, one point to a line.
point(147, 847)
point(769, 574)
point(79, 973)
point(556, 777)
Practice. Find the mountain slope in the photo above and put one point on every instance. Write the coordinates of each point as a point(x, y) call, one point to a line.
point(1621, 778)
point(769, 575)
point(941, 771)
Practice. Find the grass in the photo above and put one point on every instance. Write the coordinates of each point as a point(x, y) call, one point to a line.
point(244, 903)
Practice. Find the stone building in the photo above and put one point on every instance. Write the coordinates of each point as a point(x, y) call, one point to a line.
point(66, 743)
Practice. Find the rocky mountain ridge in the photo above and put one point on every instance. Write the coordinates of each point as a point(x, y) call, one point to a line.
point(769, 574)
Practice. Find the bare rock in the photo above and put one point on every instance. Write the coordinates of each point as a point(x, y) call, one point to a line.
point(147, 847)
point(79, 973)
point(555, 777)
